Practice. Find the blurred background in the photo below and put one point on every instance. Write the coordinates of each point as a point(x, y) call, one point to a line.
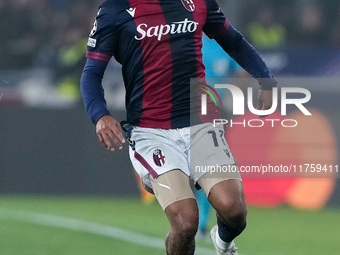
point(49, 148)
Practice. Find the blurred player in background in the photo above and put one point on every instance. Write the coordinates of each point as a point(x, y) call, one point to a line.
point(159, 45)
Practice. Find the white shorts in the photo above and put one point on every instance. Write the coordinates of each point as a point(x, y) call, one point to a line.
point(157, 151)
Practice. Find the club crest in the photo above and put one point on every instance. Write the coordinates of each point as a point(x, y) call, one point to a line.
point(158, 157)
point(189, 5)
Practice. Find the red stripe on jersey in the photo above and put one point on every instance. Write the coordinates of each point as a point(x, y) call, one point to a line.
point(98, 56)
point(157, 63)
point(201, 19)
point(141, 160)
point(226, 23)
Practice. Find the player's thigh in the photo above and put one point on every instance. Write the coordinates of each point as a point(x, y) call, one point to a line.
point(156, 152)
point(211, 179)
point(210, 152)
point(171, 187)
point(224, 192)
point(183, 216)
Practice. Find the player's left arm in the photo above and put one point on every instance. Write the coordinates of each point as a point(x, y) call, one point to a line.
point(264, 100)
point(232, 41)
point(247, 57)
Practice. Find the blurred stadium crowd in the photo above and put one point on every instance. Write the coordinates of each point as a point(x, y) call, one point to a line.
point(34, 31)
point(51, 35)
point(273, 24)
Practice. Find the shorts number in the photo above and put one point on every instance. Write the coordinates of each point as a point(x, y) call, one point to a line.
point(214, 137)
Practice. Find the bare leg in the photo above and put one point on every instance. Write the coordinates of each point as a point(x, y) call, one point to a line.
point(183, 218)
point(227, 197)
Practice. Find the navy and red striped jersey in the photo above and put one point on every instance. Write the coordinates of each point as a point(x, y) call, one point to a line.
point(158, 43)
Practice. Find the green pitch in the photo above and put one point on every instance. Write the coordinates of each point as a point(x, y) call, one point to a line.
point(106, 226)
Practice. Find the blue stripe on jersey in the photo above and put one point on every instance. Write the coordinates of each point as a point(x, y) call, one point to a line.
point(133, 74)
point(182, 69)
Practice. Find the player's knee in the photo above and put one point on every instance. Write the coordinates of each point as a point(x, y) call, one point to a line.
point(238, 213)
point(233, 211)
point(186, 229)
point(228, 199)
point(184, 223)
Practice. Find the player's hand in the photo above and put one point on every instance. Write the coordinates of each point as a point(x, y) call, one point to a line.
point(110, 133)
point(264, 100)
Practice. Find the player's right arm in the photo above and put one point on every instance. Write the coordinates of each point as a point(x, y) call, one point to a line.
point(100, 46)
point(108, 129)
point(109, 133)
